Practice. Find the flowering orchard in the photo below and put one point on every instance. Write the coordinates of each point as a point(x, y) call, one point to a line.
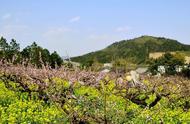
point(46, 95)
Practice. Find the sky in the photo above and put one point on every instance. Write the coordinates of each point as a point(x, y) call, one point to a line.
point(76, 27)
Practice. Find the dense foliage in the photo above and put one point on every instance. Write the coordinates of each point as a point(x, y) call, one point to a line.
point(32, 54)
point(33, 95)
point(172, 63)
point(135, 50)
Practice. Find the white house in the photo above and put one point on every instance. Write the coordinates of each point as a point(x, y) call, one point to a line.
point(162, 69)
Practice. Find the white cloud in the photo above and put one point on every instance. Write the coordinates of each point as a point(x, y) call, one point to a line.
point(6, 16)
point(123, 29)
point(75, 19)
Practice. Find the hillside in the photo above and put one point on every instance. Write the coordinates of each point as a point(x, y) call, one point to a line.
point(134, 50)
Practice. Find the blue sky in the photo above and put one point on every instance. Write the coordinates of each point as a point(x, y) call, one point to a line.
point(77, 27)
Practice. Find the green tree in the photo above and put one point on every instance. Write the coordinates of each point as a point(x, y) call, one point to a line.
point(14, 46)
point(3, 47)
point(45, 54)
point(26, 53)
point(35, 55)
point(55, 60)
point(3, 44)
point(13, 52)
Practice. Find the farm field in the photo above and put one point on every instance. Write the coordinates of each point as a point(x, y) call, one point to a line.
point(30, 95)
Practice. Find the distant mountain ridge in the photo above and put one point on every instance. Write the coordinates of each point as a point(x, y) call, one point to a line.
point(136, 50)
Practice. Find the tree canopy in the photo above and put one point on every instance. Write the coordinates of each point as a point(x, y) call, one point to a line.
point(33, 54)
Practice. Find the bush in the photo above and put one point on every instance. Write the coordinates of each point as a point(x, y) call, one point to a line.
point(186, 72)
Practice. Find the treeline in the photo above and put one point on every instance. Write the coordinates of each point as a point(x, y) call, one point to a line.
point(33, 54)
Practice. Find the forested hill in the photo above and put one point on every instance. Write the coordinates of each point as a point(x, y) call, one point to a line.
point(135, 50)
